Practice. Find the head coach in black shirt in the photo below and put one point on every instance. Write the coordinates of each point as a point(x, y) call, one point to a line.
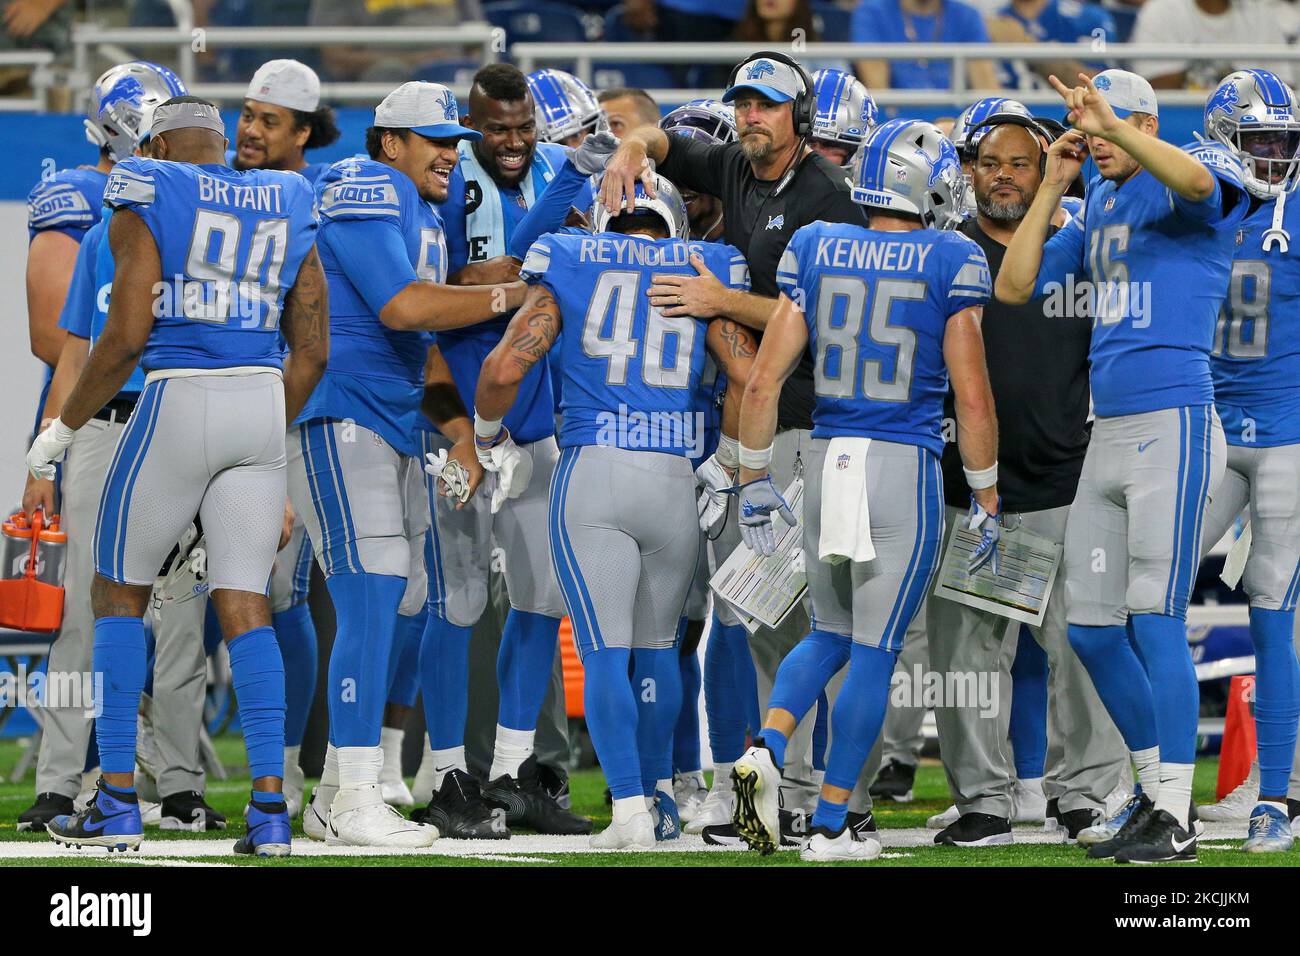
point(1037, 356)
point(770, 183)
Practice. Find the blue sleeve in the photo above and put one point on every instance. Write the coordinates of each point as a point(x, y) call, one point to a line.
point(733, 269)
point(969, 283)
point(453, 223)
point(133, 185)
point(61, 204)
point(789, 280)
point(536, 269)
point(550, 210)
point(372, 254)
point(79, 306)
point(1062, 256)
point(968, 25)
point(1226, 200)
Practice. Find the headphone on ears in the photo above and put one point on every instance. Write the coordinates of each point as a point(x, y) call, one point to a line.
point(1040, 133)
point(803, 109)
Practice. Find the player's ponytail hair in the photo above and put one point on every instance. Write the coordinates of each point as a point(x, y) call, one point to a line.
point(324, 127)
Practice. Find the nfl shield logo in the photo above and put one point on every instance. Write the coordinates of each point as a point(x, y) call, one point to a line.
point(1241, 236)
point(1110, 204)
point(842, 463)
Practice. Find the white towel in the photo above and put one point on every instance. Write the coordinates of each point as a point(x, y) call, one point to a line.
point(487, 219)
point(846, 519)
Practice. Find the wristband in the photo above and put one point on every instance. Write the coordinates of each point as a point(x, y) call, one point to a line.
point(728, 453)
point(486, 430)
point(755, 459)
point(982, 478)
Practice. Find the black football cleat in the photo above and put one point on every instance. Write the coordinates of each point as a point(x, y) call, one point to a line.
point(528, 804)
point(794, 830)
point(1162, 839)
point(189, 811)
point(862, 824)
point(975, 830)
point(1135, 814)
point(459, 811)
point(894, 782)
point(1074, 822)
point(46, 808)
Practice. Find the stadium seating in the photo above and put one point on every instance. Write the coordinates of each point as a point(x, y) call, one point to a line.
point(832, 22)
point(537, 21)
point(648, 76)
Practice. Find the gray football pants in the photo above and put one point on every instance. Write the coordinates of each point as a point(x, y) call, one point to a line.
point(1086, 754)
point(180, 669)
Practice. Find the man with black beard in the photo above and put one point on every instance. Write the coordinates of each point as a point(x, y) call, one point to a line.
point(1038, 368)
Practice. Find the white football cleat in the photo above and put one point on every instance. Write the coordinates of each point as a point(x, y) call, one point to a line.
point(941, 821)
point(823, 847)
point(359, 817)
point(1028, 802)
point(637, 833)
point(293, 787)
point(690, 792)
point(396, 793)
point(150, 813)
point(316, 815)
point(1238, 804)
point(715, 810)
point(756, 784)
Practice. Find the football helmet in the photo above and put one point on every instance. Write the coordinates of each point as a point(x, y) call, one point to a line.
point(910, 166)
point(709, 120)
point(845, 110)
point(667, 204)
point(564, 106)
point(1254, 115)
point(122, 102)
point(967, 130)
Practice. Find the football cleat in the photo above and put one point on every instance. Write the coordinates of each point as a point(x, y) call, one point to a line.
point(862, 824)
point(1161, 839)
point(1073, 822)
point(396, 793)
point(46, 808)
point(689, 792)
point(110, 820)
point(757, 786)
point(1105, 839)
point(459, 811)
point(668, 820)
point(1238, 804)
point(794, 830)
point(556, 783)
point(1270, 831)
point(975, 830)
point(359, 817)
point(269, 831)
point(527, 803)
point(189, 811)
point(823, 846)
point(715, 810)
point(637, 833)
point(894, 781)
point(1028, 802)
point(150, 814)
point(941, 821)
point(316, 815)
point(1293, 811)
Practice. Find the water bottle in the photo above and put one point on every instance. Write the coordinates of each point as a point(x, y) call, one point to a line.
point(52, 551)
point(15, 546)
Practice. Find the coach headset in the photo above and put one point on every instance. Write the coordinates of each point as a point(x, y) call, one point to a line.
point(803, 109)
point(1043, 132)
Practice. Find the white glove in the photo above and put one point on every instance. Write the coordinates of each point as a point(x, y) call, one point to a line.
point(513, 469)
point(593, 152)
point(452, 475)
point(714, 479)
point(48, 448)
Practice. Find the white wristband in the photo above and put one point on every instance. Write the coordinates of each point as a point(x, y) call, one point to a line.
point(983, 478)
point(728, 453)
point(486, 428)
point(755, 459)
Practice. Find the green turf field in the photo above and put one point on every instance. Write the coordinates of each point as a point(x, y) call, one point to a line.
point(229, 797)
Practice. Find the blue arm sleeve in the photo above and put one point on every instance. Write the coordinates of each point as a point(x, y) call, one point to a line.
point(551, 209)
point(79, 306)
point(373, 256)
point(1062, 255)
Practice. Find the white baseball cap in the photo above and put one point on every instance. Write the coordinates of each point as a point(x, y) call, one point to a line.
point(426, 108)
point(1126, 92)
point(778, 81)
point(287, 83)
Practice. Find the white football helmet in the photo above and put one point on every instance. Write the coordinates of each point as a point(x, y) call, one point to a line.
point(122, 102)
point(910, 166)
point(667, 204)
point(1254, 115)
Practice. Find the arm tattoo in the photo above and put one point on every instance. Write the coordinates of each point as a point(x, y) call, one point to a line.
point(536, 332)
point(306, 314)
point(739, 343)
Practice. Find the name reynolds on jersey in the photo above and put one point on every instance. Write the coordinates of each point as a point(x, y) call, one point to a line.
point(264, 198)
point(637, 252)
point(861, 255)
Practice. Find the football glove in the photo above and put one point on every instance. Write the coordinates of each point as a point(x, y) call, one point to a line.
point(593, 152)
point(452, 475)
point(714, 480)
point(989, 528)
point(758, 499)
point(49, 447)
point(512, 468)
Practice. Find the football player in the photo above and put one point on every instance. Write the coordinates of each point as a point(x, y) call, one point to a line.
point(622, 521)
point(1255, 362)
point(281, 119)
point(207, 436)
point(891, 312)
point(1157, 216)
point(845, 115)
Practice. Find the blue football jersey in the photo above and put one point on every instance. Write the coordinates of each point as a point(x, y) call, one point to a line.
point(1159, 267)
point(377, 236)
point(69, 202)
point(231, 244)
point(877, 305)
point(632, 376)
point(85, 310)
point(1256, 355)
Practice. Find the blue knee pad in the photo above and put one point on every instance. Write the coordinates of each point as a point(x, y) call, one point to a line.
point(524, 665)
point(365, 607)
point(859, 713)
point(120, 656)
point(1174, 692)
point(1277, 696)
point(404, 663)
point(1028, 728)
point(611, 712)
point(296, 634)
point(444, 681)
point(257, 672)
point(1121, 680)
point(686, 734)
point(657, 684)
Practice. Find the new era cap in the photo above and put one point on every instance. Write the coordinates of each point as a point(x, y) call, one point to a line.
point(779, 82)
point(287, 83)
point(1126, 92)
point(425, 108)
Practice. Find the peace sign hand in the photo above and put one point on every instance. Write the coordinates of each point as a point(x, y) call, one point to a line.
point(1089, 111)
